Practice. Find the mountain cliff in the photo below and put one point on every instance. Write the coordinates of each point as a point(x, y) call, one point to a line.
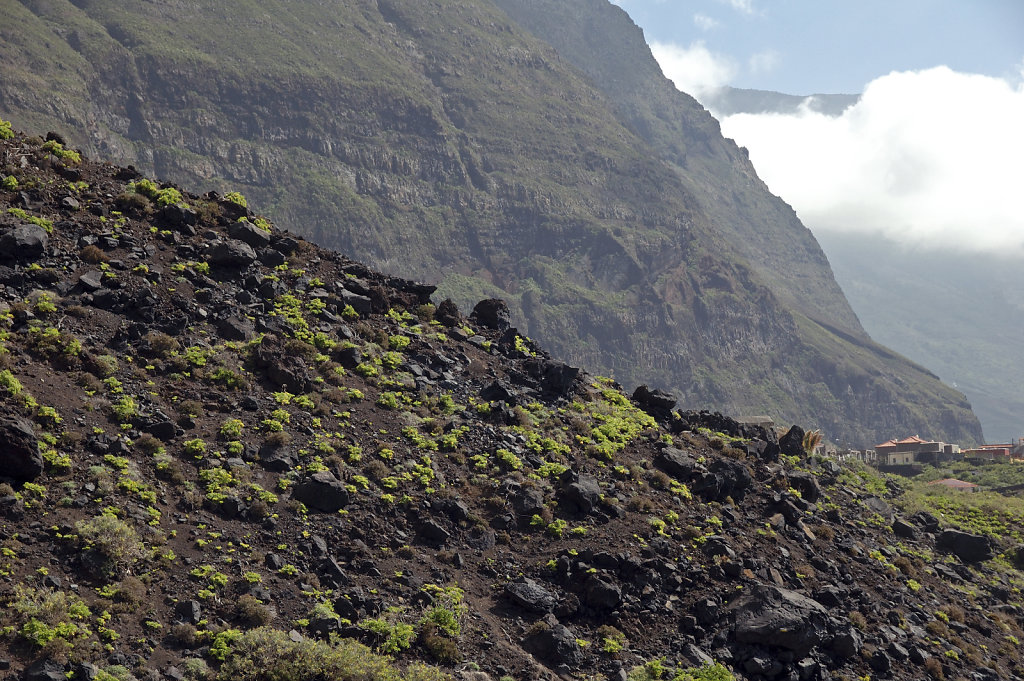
point(444, 142)
point(227, 454)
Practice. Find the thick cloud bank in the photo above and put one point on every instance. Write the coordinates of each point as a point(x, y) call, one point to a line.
point(930, 159)
point(695, 70)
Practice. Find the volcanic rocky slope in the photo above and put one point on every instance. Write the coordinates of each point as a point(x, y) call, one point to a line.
point(443, 141)
point(227, 453)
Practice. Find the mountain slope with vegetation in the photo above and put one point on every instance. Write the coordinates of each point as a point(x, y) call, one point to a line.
point(961, 316)
point(441, 141)
point(228, 454)
point(601, 40)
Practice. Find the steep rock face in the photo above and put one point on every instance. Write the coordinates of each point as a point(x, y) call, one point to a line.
point(602, 41)
point(441, 141)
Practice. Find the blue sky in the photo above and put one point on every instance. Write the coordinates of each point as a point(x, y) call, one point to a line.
point(807, 46)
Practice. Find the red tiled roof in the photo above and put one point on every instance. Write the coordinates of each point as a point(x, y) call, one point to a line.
point(953, 482)
point(913, 439)
point(888, 443)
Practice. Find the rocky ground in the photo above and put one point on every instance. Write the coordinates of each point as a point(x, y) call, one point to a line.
point(225, 451)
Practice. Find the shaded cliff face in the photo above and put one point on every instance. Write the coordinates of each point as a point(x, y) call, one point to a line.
point(443, 142)
point(603, 42)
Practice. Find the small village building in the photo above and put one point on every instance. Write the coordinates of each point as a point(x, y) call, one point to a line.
point(911, 450)
point(997, 453)
point(766, 422)
point(867, 456)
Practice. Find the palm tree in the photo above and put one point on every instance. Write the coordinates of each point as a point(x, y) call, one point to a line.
point(812, 438)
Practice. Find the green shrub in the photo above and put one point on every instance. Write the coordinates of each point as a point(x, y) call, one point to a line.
point(22, 214)
point(112, 539)
point(5, 130)
point(231, 429)
point(712, 672)
point(237, 199)
point(58, 150)
point(10, 384)
point(397, 635)
point(195, 447)
point(125, 409)
point(55, 621)
point(266, 654)
point(44, 304)
point(447, 610)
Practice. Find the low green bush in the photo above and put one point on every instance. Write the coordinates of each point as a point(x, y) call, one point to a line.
point(266, 654)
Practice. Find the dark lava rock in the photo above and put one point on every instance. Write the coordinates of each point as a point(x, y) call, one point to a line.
point(236, 329)
point(554, 643)
point(453, 508)
point(528, 500)
point(725, 478)
point(601, 595)
point(880, 662)
point(189, 611)
point(361, 304)
point(249, 233)
point(232, 254)
point(498, 391)
point(768, 615)
point(830, 596)
point(349, 356)
point(926, 521)
point(45, 670)
point(492, 313)
point(879, 506)
point(903, 529)
point(19, 451)
point(657, 403)
point(178, 216)
point(434, 532)
point(322, 491)
point(163, 430)
point(792, 443)
point(291, 373)
point(556, 378)
point(806, 484)
point(448, 313)
point(277, 459)
point(677, 463)
point(331, 573)
point(847, 643)
point(970, 548)
point(718, 546)
point(23, 243)
point(530, 595)
point(582, 496)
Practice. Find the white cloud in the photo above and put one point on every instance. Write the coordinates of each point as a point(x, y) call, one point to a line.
point(764, 62)
point(704, 22)
point(745, 6)
point(694, 69)
point(930, 158)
